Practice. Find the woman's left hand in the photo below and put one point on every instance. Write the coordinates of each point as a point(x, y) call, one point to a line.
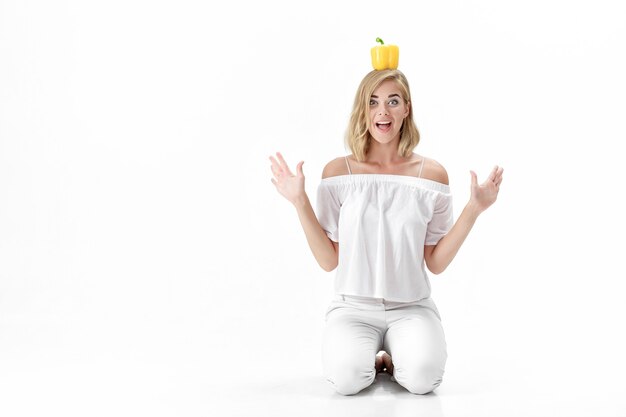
point(485, 194)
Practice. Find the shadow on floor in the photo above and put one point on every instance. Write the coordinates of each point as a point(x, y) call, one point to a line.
point(313, 396)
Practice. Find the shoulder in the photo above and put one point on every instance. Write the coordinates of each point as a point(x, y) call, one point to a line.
point(434, 171)
point(335, 167)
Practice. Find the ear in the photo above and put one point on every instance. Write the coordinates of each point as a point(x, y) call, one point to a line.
point(408, 108)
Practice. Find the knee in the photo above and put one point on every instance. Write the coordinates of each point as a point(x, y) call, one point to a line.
point(349, 379)
point(419, 380)
point(422, 385)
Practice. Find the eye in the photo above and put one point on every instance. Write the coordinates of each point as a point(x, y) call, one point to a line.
point(373, 102)
point(394, 102)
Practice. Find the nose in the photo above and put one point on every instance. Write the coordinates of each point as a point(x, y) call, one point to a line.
point(383, 110)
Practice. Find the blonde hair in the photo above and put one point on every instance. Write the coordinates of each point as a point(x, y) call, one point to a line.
point(358, 137)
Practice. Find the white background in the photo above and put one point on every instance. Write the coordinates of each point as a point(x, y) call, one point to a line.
point(148, 265)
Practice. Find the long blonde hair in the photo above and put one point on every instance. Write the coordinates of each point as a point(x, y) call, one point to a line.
point(358, 137)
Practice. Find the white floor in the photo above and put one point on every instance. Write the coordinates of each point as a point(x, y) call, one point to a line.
point(200, 385)
point(180, 350)
point(311, 397)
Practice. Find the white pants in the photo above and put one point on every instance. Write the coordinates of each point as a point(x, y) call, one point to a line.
point(358, 328)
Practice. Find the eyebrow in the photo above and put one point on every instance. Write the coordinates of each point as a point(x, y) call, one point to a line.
point(390, 95)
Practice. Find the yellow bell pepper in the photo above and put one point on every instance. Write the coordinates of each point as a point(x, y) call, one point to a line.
point(385, 56)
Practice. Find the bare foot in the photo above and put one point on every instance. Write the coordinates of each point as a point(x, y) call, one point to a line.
point(378, 364)
point(387, 363)
point(383, 363)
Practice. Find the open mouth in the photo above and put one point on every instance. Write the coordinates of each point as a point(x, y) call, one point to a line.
point(383, 126)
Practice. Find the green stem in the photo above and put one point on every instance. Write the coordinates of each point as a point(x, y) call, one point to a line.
point(380, 40)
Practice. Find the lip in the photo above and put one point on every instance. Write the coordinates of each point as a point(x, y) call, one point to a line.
point(384, 127)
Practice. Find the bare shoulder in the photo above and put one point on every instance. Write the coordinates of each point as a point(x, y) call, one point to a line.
point(335, 167)
point(434, 171)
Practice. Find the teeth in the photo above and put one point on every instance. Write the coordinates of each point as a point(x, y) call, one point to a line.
point(383, 123)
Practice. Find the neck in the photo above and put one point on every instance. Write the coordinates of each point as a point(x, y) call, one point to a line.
point(383, 154)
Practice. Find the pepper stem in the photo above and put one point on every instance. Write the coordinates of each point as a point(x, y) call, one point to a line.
point(380, 40)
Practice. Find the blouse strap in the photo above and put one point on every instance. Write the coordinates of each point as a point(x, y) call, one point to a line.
point(349, 170)
point(421, 167)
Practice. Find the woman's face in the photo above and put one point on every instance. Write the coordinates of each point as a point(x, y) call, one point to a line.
point(387, 112)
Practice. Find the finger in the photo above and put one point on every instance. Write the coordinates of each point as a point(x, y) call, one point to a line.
point(277, 168)
point(474, 178)
point(284, 165)
point(492, 175)
point(498, 179)
point(275, 163)
point(299, 169)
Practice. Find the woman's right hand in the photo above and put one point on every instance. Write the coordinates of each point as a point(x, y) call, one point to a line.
point(288, 185)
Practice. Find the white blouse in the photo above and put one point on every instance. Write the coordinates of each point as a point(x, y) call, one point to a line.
point(382, 222)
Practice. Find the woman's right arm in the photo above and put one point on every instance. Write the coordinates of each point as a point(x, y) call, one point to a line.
point(291, 187)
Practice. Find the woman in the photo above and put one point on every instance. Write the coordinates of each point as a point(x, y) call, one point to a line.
point(390, 211)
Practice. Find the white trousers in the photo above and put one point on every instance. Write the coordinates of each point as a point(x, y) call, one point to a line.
point(358, 328)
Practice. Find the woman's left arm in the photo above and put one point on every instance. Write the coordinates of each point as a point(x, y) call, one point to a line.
point(439, 256)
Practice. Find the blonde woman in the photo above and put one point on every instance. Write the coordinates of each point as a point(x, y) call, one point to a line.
point(383, 217)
